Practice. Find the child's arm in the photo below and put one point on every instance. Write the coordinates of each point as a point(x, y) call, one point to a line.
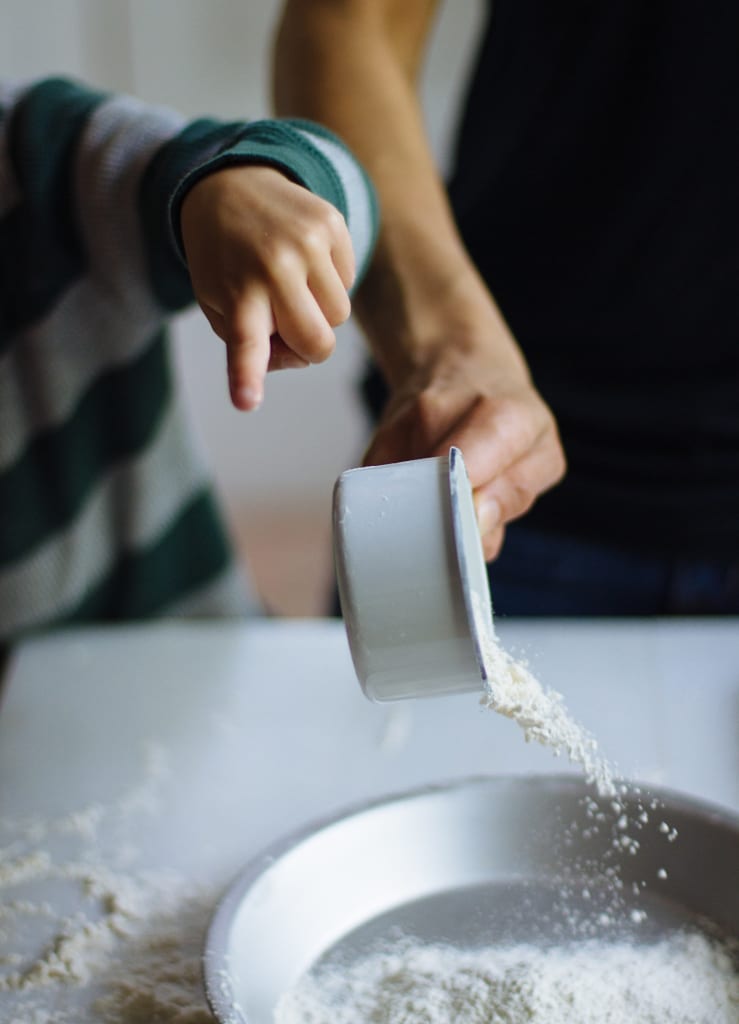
point(145, 208)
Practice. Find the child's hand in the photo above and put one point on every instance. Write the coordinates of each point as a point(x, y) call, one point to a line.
point(271, 265)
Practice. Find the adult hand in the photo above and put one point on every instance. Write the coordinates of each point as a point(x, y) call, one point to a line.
point(474, 391)
point(271, 265)
point(456, 375)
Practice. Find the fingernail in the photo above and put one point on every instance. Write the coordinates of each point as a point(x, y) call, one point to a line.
point(248, 398)
point(488, 516)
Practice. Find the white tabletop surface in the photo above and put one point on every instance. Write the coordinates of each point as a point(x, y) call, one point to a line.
point(188, 748)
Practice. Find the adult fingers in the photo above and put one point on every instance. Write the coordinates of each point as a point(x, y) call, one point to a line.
point(512, 493)
point(495, 434)
point(492, 543)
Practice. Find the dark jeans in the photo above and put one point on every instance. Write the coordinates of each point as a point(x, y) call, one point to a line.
point(546, 574)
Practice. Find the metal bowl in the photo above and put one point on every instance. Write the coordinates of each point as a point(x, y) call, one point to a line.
point(476, 862)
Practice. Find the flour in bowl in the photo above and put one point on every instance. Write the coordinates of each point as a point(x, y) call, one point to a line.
point(683, 979)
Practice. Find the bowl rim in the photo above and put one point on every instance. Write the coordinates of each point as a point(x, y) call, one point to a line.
point(468, 548)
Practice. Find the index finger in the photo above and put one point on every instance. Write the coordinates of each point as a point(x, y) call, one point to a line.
point(247, 335)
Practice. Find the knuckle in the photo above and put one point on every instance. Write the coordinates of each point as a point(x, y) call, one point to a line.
point(334, 220)
point(525, 498)
point(427, 410)
point(493, 543)
point(560, 467)
point(323, 346)
point(281, 259)
point(324, 226)
point(317, 341)
point(524, 492)
point(313, 239)
point(340, 310)
point(556, 463)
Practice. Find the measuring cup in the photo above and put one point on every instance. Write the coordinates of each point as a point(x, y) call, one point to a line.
point(412, 580)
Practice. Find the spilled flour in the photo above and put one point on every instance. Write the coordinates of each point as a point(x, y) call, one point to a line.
point(118, 945)
point(683, 979)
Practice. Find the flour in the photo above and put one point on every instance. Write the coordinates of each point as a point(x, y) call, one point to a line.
point(129, 952)
point(24, 868)
point(684, 979)
point(512, 690)
point(157, 979)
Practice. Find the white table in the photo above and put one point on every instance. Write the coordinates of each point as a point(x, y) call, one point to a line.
point(191, 747)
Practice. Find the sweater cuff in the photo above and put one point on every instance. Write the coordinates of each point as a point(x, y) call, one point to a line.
point(312, 157)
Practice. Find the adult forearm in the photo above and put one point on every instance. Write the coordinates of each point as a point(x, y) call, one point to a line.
point(456, 375)
point(353, 66)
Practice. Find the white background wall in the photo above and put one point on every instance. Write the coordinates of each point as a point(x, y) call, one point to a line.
point(212, 56)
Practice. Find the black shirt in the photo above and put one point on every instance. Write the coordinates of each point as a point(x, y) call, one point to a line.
point(597, 188)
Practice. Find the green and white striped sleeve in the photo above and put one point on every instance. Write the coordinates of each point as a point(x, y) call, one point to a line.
point(101, 174)
point(107, 513)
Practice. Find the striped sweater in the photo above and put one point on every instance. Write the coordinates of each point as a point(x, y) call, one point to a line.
point(105, 512)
